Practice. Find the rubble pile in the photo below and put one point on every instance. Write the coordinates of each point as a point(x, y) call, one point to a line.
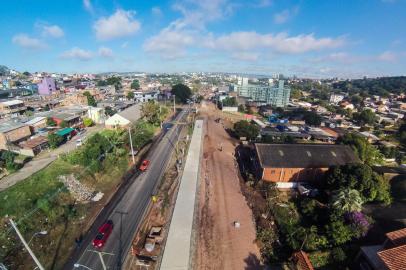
point(79, 191)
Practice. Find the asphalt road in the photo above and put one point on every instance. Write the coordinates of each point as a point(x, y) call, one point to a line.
point(127, 208)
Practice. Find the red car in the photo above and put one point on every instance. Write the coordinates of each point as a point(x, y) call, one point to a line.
point(104, 233)
point(144, 165)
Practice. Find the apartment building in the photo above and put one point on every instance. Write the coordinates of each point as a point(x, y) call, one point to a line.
point(276, 93)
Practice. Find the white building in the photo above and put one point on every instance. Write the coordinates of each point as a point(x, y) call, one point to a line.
point(336, 98)
point(96, 114)
point(145, 96)
point(124, 118)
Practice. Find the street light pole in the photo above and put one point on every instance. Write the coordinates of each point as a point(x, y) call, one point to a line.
point(100, 253)
point(37, 233)
point(37, 262)
point(174, 110)
point(77, 265)
point(131, 144)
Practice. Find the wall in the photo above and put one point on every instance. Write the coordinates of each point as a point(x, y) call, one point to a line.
point(292, 174)
point(230, 109)
point(14, 135)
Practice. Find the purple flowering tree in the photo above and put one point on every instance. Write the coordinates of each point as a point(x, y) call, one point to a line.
point(359, 222)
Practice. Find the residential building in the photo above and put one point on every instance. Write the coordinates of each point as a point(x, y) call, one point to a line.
point(276, 94)
point(391, 255)
point(124, 118)
point(96, 114)
point(47, 86)
point(70, 119)
point(288, 164)
point(301, 261)
point(34, 146)
point(336, 98)
point(12, 133)
point(145, 96)
point(37, 123)
point(12, 108)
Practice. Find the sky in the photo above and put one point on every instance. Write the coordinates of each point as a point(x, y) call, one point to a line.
point(307, 38)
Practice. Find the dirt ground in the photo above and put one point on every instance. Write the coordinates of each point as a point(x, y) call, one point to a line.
point(220, 245)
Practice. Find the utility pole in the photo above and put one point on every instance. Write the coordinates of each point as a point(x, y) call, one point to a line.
point(131, 144)
point(174, 110)
point(37, 262)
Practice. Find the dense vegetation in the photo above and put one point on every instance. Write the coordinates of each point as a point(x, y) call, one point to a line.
point(246, 129)
point(374, 86)
point(229, 102)
point(366, 152)
point(182, 92)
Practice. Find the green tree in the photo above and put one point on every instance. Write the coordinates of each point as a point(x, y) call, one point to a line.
point(51, 122)
point(229, 102)
point(87, 122)
point(130, 95)
point(135, 85)
point(150, 111)
point(91, 101)
point(109, 111)
point(101, 83)
point(361, 177)
point(113, 80)
point(141, 133)
point(182, 92)
point(246, 129)
point(63, 124)
point(54, 140)
point(364, 150)
point(28, 113)
point(312, 118)
point(367, 116)
point(295, 93)
point(347, 200)
point(8, 158)
point(338, 233)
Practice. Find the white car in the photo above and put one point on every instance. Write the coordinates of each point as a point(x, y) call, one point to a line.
point(79, 142)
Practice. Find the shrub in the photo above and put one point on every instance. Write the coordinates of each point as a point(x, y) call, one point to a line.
point(87, 122)
point(359, 222)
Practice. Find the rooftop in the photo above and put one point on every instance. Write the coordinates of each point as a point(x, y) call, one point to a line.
point(302, 261)
point(9, 125)
point(397, 237)
point(132, 113)
point(304, 155)
point(65, 131)
point(394, 258)
point(12, 102)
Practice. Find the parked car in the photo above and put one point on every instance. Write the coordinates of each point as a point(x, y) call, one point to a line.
point(79, 142)
point(104, 233)
point(307, 190)
point(144, 165)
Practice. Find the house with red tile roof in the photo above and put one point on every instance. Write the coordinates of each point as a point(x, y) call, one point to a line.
point(302, 261)
point(391, 255)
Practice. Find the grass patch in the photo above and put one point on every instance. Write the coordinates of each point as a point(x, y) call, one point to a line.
point(17, 199)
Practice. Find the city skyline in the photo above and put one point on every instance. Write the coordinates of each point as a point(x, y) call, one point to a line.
point(307, 39)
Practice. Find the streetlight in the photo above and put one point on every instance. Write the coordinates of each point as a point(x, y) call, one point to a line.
point(77, 265)
point(37, 233)
point(37, 262)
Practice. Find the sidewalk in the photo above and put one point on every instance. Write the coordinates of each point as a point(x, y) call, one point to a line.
point(43, 159)
point(177, 253)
